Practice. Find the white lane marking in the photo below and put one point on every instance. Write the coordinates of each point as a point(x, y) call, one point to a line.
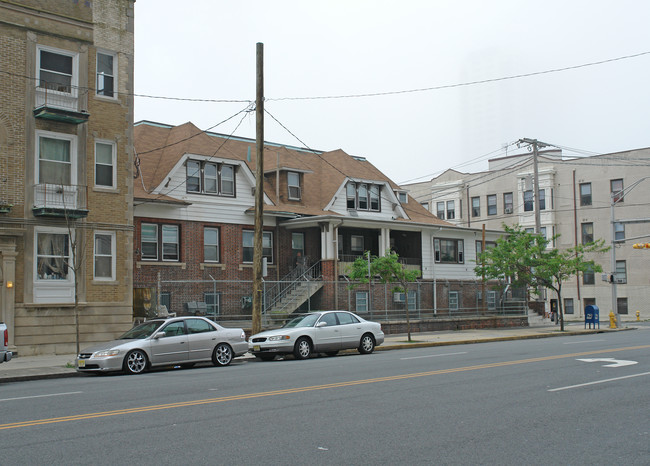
point(433, 355)
point(597, 382)
point(39, 396)
point(612, 362)
point(578, 342)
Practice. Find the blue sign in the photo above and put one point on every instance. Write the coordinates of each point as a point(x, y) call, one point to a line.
point(592, 316)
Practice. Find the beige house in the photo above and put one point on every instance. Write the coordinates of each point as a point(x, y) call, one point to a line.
point(575, 197)
point(66, 171)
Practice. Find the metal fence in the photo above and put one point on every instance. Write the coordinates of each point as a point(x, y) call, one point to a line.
point(231, 300)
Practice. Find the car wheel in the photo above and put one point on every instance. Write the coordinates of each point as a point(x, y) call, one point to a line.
point(367, 344)
point(302, 350)
point(222, 355)
point(135, 362)
point(332, 353)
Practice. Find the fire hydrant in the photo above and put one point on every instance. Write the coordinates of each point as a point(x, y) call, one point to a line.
point(612, 319)
point(638, 316)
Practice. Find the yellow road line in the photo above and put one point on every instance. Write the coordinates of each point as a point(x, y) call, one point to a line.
point(287, 391)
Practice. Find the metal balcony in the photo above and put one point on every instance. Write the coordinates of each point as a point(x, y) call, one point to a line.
point(61, 201)
point(59, 104)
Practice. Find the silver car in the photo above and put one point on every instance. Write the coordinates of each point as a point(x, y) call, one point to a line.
point(318, 332)
point(161, 342)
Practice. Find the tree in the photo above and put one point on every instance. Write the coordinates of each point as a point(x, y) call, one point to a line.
point(526, 260)
point(389, 270)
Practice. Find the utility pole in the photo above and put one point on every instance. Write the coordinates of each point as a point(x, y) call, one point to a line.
point(259, 192)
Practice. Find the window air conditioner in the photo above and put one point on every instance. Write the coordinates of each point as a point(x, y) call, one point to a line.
point(508, 210)
point(620, 280)
point(399, 297)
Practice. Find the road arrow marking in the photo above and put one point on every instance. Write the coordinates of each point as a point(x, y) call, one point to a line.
point(613, 362)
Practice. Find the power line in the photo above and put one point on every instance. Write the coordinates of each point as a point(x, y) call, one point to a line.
point(470, 83)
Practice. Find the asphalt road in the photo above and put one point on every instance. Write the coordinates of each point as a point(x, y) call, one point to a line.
point(547, 401)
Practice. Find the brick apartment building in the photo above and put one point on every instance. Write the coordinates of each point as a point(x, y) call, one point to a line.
point(66, 171)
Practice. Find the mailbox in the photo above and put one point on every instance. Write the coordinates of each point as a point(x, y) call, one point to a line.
point(592, 316)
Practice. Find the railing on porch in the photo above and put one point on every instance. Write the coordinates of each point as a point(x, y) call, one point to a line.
point(290, 282)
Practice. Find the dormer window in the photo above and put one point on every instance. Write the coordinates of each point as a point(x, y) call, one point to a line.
point(293, 186)
point(403, 197)
point(210, 178)
point(363, 196)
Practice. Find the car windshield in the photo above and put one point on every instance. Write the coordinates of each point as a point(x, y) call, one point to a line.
point(143, 330)
point(303, 321)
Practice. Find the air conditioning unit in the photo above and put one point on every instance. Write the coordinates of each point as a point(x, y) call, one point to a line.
point(508, 210)
point(620, 280)
point(399, 297)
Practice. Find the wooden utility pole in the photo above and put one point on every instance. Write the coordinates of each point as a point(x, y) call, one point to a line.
point(259, 192)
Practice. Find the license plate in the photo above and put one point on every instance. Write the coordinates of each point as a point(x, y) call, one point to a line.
point(81, 363)
point(256, 347)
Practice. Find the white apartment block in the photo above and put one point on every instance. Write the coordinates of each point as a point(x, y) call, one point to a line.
point(575, 196)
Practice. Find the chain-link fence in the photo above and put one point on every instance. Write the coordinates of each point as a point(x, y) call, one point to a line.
point(231, 300)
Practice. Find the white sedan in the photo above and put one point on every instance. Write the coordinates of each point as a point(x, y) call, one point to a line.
point(318, 332)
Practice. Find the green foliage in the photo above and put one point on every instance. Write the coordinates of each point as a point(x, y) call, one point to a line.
point(526, 260)
point(387, 269)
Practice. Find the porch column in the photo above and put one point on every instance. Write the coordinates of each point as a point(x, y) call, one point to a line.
point(327, 242)
point(384, 241)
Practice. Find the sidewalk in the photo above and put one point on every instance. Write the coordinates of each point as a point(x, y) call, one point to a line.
point(57, 366)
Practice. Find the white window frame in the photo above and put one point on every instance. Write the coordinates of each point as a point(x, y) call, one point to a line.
point(68, 258)
point(156, 242)
point(460, 253)
point(113, 165)
point(440, 209)
point(491, 201)
point(454, 300)
point(491, 299)
point(227, 179)
point(97, 255)
point(361, 301)
point(293, 186)
point(451, 212)
point(170, 228)
point(74, 80)
point(114, 75)
point(215, 245)
point(73, 153)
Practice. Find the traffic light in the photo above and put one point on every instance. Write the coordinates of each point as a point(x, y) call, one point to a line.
point(641, 246)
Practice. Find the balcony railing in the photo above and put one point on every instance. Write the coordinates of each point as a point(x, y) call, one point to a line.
point(58, 104)
point(408, 262)
point(56, 200)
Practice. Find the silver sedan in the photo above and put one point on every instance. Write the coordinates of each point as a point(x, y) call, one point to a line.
point(161, 342)
point(318, 332)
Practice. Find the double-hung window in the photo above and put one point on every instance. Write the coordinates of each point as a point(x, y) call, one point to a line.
point(293, 186)
point(585, 194)
point(104, 260)
point(619, 231)
point(363, 196)
point(492, 204)
point(568, 306)
point(449, 251)
point(621, 272)
point(508, 203)
point(440, 210)
point(267, 245)
point(57, 70)
point(211, 244)
point(454, 300)
point(361, 301)
point(52, 256)
point(476, 206)
point(529, 202)
point(588, 277)
point(542, 199)
point(616, 190)
point(106, 73)
point(170, 243)
point(587, 233)
point(209, 178)
point(451, 210)
point(159, 241)
point(105, 161)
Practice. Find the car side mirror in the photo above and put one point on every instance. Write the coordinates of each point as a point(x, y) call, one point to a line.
point(158, 335)
point(321, 324)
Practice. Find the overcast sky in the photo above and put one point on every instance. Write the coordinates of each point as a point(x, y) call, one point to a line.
point(205, 49)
